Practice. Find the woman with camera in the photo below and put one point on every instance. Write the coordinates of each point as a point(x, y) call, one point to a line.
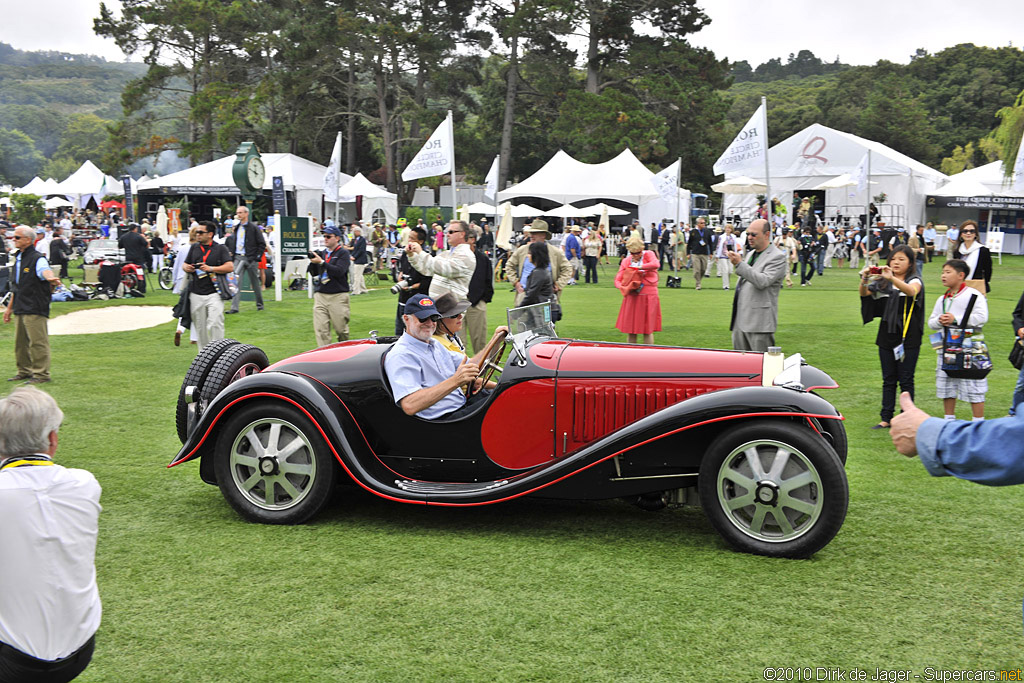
point(975, 255)
point(895, 294)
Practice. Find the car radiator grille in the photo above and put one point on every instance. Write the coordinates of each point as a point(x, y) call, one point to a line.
point(598, 411)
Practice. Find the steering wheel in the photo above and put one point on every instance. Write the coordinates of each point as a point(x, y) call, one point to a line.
point(490, 364)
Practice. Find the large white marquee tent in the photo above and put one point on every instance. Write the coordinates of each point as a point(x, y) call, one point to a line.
point(566, 180)
point(302, 177)
point(804, 160)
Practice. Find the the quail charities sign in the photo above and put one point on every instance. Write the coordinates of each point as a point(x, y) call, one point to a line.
point(1005, 203)
point(294, 236)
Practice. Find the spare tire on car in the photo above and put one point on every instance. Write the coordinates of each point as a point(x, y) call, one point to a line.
point(197, 372)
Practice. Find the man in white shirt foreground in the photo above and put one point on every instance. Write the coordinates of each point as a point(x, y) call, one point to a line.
point(49, 604)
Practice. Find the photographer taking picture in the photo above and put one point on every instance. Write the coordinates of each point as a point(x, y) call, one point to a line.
point(895, 294)
point(409, 280)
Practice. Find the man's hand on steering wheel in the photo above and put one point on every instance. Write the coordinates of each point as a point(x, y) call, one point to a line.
point(491, 359)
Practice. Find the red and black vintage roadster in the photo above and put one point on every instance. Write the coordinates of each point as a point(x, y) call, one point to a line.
point(745, 433)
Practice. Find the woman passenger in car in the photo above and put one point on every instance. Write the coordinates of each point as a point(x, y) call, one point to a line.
point(452, 313)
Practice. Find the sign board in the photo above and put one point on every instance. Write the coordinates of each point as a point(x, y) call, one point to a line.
point(1006, 203)
point(994, 241)
point(294, 236)
point(173, 221)
point(277, 193)
point(129, 201)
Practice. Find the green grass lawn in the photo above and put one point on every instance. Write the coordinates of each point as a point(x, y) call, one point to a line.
point(925, 572)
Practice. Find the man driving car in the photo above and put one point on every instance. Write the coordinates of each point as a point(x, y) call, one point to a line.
point(426, 378)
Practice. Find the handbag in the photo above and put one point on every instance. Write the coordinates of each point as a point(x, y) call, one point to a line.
point(556, 310)
point(226, 285)
point(1017, 353)
point(964, 352)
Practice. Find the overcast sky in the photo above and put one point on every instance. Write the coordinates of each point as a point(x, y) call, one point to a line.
point(859, 32)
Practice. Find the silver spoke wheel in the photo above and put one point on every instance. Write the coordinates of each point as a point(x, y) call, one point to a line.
point(272, 464)
point(770, 491)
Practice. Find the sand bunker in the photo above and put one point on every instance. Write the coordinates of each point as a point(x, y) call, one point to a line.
point(110, 319)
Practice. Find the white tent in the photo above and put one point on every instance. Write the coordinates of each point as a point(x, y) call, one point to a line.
point(600, 208)
point(36, 186)
point(818, 152)
point(56, 203)
point(569, 211)
point(85, 183)
point(374, 197)
point(564, 179)
point(961, 186)
point(301, 176)
point(991, 176)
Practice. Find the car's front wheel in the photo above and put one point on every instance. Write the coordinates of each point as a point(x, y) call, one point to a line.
point(774, 488)
point(272, 464)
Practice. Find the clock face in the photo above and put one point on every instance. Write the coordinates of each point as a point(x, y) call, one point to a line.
point(256, 173)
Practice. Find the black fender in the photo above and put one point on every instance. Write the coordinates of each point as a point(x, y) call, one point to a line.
point(814, 378)
point(323, 408)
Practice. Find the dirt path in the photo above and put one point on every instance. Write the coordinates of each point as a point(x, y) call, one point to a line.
point(110, 319)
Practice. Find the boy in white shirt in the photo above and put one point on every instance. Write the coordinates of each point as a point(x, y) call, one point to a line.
point(949, 311)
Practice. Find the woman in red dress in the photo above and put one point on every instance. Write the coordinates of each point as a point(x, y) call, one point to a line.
point(638, 281)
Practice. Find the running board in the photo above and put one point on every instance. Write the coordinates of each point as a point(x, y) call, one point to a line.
point(428, 487)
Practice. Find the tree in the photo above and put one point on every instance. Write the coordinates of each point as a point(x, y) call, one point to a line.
point(595, 128)
point(894, 118)
point(84, 138)
point(27, 209)
point(1009, 133)
point(43, 124)
point(609, 27)
point(19, 159)
point(59, 168)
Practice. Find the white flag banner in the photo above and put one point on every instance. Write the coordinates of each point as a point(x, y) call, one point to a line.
point(747, 149)
point(1018, 168)
point(492, 180)
point(860, 174)
point(333, 172)
point(434, 158)
point(665, 182)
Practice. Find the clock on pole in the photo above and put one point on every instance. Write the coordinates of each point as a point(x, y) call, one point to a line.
point(247, 171)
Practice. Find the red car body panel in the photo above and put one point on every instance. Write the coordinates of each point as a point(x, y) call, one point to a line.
point(518, 430)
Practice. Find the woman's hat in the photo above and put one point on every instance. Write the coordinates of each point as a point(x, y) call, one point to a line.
point(449, 307)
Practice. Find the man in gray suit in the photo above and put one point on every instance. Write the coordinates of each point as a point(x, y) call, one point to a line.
point(755, 306)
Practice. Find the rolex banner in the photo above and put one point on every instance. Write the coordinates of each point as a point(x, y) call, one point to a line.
point(747, 149)
point(436, 155)
point(333, 173)
point(666, 182)
point(492, 180)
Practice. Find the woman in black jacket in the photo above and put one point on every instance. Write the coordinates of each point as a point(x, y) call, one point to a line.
point(1018, 329)
point(538, 285)
point(974, 254)
point(896, 295)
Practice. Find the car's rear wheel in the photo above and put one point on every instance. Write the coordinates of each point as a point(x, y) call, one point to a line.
point(195, 377)
point(774, 488)
point(272, 464)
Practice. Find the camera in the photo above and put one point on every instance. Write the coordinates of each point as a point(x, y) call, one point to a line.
point(400, 286)
point(875, 270)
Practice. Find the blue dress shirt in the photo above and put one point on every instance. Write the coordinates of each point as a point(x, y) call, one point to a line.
point(986, 452)
point(412, 365)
